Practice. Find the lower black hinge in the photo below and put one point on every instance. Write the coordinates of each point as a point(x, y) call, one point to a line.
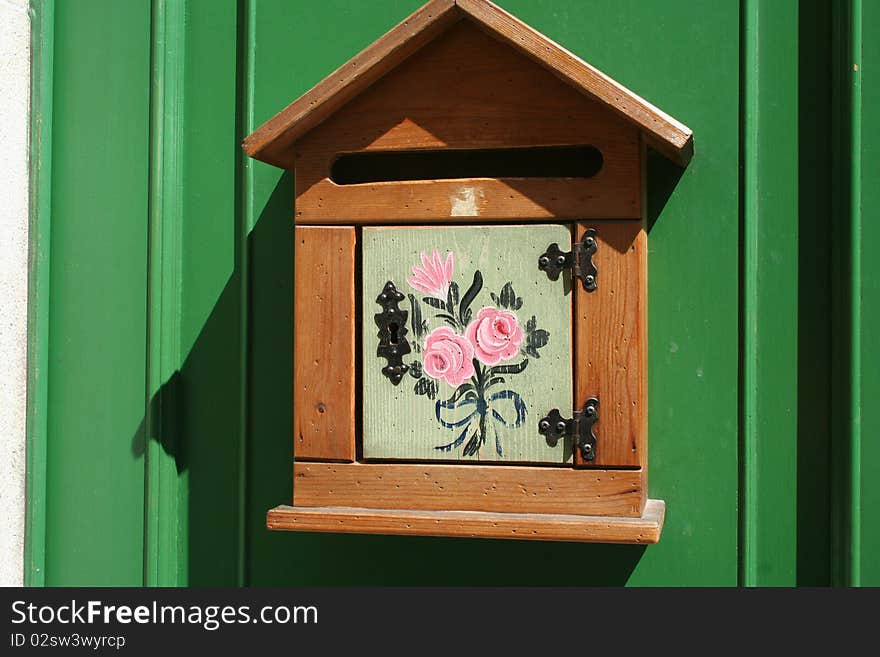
point(579, 428)
point(580, 260)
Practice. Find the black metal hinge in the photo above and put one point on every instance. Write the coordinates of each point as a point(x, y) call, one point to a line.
point(579, 428)
point(393, 345)
point(580, 260)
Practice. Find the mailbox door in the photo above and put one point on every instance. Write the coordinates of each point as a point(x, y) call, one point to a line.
point(467, 344)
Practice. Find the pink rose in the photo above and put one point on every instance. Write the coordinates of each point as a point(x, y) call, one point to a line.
point(495, 334)
point(448, 356)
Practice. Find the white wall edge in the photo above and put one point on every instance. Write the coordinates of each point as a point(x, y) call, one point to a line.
point(15, 64)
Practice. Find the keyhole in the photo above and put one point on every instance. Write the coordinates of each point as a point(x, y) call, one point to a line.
point(393, 333)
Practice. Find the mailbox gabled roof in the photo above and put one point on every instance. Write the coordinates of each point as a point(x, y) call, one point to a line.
point(272, 141)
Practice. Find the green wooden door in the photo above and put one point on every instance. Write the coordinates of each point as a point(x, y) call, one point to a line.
point(161, 345)
point(487, 344)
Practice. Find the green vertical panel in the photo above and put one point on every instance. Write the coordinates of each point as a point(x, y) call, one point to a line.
point(489, 405)
point(693, 297)
point(866, 284)
point(163, 335)
point(692, 272)
point(42, 65)
point(95, 474)
point(208, 387)
point(267, 204)
point(841, 303)
point(194, 429)
point(855, 379)
point(770, 331)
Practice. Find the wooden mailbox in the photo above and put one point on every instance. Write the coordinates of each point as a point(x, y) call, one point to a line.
point(470, 295)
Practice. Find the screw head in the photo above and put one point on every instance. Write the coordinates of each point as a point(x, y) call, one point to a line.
point(586, 451)
point(591, 410)
point(543, 261)
point(560, 426)
point(590, 279)
point(560, 260)
point(544, 426)
point(589, 241)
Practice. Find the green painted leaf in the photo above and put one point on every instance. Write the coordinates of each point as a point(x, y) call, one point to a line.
point(463, 389)
point(535, 338)
point(416, 321)
point(508, 299)
point(494, 381)
point(435, 303)
point(425, 386)
point(508, 369)
point(465, 312)
point(415, 369)
point(452, 298)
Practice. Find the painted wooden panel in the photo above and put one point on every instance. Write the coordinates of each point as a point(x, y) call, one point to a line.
point(490, 344)
point(323, 386)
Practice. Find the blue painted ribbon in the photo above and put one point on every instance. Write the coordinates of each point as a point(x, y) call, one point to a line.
point(481, 407)
point(519, 407)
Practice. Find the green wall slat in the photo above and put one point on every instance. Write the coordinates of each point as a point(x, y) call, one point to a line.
point(210, 384)
point(866, 287)
point(162, 564)
point(855, 380)
point(42, 100)
point(96, 351)
point(770, 266)
point(197, 388)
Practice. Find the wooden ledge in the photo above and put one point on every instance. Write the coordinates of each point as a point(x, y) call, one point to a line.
point(473, 524)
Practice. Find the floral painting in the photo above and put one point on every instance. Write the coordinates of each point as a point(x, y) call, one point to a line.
point(468, 351)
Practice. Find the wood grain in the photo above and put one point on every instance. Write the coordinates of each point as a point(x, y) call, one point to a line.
point(611, 344)
point(272, 141)
point(468, 91)
point(324, 343)
point(666, 134)
point(440, 201)
point(508, 489)
point(645, 529)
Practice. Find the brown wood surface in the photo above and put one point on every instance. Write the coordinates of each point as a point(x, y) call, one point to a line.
point(442, 487)
point(474, 524)
point(324, 343)
point(666, 134)
point(481, 199)
point(466, 90)
point(272, 141)
point(611, 344)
